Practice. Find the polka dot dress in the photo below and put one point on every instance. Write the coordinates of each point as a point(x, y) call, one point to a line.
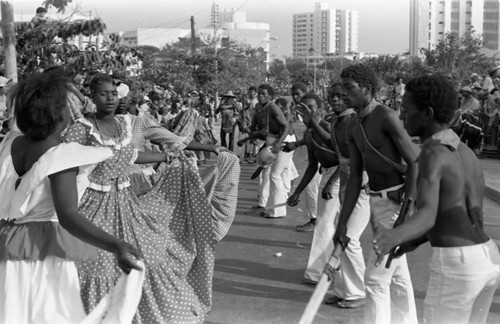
point(171, 226)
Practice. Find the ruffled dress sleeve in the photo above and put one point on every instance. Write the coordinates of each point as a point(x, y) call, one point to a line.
point(168, 140)
point(112, 171)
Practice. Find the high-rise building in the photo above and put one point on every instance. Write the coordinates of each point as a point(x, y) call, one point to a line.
point(324, 31)
point(419, 26)
point(431, 20)
point(491, 26)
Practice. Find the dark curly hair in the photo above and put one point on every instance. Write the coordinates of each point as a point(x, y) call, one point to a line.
point(99, 79)
point(41, 103)
point(363, 75)
point(281, 101)
point(300, 86)
point(313, 96)
point(437, 92)
point(269, 88)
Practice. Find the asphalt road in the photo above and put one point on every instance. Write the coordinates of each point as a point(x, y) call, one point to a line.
point(260, 262)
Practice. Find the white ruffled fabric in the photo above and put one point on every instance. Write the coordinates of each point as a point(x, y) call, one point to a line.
point(48, 290)
point(56, 297)
point(32, 200)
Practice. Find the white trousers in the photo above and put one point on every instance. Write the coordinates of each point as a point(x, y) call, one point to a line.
point(322, 243)
point(349, 280)
point(273, 183)
point(290, 173)
point(389, 292)
point(462, 284)
point(311, 194)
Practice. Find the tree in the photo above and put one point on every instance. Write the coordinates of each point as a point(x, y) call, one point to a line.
point(60, 5)
point(278, 71)
point(458, 56)
point(387, 67)
point(45, 45)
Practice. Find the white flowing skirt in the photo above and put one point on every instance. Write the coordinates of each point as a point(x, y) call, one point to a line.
point(48, 291)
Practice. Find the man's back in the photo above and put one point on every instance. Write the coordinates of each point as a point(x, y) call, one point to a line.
point(461, 190)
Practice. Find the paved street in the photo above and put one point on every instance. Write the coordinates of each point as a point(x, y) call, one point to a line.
point(252, 284)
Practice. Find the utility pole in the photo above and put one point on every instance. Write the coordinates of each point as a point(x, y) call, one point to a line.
point(90, 35)
point(9, 40)
point(215, 24)
point(193, 38)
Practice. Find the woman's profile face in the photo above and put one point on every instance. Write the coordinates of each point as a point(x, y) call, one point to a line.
point(106, 98)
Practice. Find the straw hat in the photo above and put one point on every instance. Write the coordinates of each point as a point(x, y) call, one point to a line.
point(229, 94)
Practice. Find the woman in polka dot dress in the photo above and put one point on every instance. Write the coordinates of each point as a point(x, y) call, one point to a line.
point(173, 232)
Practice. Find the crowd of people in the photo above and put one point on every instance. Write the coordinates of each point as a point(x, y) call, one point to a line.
point(477, 121)
point(108, 176)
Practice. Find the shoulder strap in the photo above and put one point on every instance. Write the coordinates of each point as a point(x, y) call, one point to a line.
point(321, 147)
point(342, 158)
point(399, 167)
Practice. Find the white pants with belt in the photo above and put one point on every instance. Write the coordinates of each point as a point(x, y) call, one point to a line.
point(349, 280)
point(274, 181)
point(462, 283)
point(322, 243)
point(389, 292)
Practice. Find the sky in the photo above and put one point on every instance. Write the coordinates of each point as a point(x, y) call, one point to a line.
point(383, 24)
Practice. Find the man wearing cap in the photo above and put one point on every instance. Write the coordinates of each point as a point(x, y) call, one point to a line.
point(469, 103)
point(228, 109)
point(467, 123)
point(40, 16)
point(488, 84)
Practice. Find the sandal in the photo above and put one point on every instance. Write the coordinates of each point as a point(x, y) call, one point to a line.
point(307, 227)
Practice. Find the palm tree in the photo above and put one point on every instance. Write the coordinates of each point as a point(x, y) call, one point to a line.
point(278, 70)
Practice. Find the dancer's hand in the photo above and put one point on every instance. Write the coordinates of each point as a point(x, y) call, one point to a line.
point(340, 236)
point(405, 248)
point(127, 256)
point(289, 146)
point(293, 200)
point(383, 241)
point(217, 149)
point(306, 113)
point(275, 149)
point(326, 193)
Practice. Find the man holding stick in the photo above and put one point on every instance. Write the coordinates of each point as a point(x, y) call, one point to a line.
point(465, 263)
point(319, 155)
point(349, 288)
point(378, 143)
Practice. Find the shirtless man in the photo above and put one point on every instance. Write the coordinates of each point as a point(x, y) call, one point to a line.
point(378, 142)
point(311, 191)
point(465, 264)
point(349, 288)
point(319, 154)
point(270, 122)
